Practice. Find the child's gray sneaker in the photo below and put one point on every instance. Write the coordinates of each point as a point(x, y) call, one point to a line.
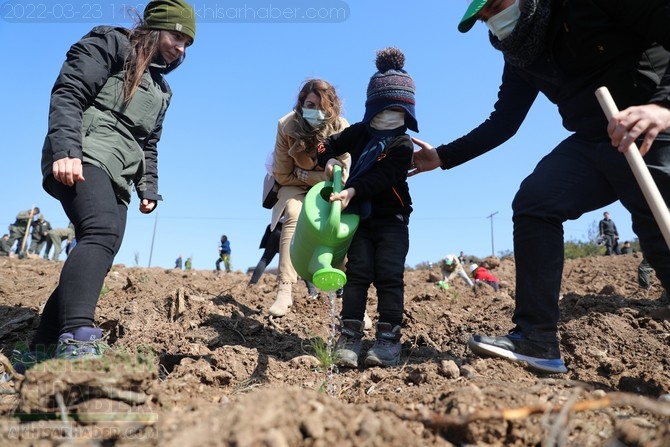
point(348, 346)
point(387, 347)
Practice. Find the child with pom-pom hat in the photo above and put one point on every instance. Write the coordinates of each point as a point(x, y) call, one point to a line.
point(381, 154)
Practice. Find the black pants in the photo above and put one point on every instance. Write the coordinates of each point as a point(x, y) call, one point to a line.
point(578, 176)
point(99, 220)
point(611, 245)
point(270, 243)
point(377, 256)
point(266, 258)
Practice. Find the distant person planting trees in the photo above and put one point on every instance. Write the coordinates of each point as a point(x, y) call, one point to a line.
point(566, 50)
point(610, 235)
point(56, 237)
point(451, 268)
point(224, 255)
point(5, 247)
point(105, 120)
point(483, 276)
point(19, 229)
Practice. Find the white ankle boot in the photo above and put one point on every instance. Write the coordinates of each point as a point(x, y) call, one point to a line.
point(283, 301)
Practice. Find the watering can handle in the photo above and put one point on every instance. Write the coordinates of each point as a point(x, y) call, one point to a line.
point(334, 218)
point(337, 178)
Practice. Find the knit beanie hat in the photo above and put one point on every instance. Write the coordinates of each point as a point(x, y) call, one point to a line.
point(170, 15)
point(391, 86)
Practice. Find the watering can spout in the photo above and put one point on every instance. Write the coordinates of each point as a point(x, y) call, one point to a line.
point(323, 235)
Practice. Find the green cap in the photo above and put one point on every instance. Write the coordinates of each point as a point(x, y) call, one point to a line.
point(170, 15)
point(469, 19)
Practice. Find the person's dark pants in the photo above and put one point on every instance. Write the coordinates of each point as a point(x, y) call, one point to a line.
point(271, 249)
point(266, 258)
point(377, 256)
point(611, 245)
point(495, 285)
point(578, 176)
point(16, 233)
point(99, 219)
point(36, 245)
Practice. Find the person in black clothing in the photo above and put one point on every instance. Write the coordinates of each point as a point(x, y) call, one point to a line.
point(376, 190)
point(38, 235)
point(566, 50)
point(461, 258)
point(5, 248)
point(610, 235)
point(18, 230)
point(270, 244)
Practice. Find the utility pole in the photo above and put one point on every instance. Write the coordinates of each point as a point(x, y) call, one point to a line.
point(153, 236)
point(490, 216)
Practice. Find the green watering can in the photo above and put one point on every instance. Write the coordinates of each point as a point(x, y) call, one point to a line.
point(323, 235)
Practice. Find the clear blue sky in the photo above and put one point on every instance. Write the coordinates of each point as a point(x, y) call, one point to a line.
point(240, 77)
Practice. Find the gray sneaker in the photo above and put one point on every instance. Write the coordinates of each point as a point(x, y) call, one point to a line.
point(348, 346)
point(83, 342)
point(387, 347)
point(543, 357)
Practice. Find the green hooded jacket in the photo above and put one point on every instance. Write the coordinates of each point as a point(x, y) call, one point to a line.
point(89, 120)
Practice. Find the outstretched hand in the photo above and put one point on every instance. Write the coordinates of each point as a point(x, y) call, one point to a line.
point(628, 125)
point(425, 159)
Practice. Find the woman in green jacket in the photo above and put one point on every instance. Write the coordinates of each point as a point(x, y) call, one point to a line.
point(105, 119)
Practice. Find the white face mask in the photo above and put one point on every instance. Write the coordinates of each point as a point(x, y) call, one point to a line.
point(503, 23)
point(315, 117)
point(388, 120)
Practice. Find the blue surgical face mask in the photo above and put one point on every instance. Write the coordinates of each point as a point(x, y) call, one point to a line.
point(315, 117)
point(503, 23)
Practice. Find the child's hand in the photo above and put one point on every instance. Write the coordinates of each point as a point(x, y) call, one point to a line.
point(329, 167)
point(343, 196)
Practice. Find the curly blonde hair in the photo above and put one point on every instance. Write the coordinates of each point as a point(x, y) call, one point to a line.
point(309, 136)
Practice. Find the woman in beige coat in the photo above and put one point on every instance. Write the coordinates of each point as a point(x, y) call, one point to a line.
point(315, 117)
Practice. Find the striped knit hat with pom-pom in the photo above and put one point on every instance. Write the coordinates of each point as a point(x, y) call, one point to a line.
point(391, 86)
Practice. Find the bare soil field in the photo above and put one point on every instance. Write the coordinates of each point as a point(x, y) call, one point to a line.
point(195, 361)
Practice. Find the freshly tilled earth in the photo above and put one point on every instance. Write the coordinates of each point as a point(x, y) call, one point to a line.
point(195, 360)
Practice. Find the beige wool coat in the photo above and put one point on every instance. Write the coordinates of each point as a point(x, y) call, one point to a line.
point(289, 155)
